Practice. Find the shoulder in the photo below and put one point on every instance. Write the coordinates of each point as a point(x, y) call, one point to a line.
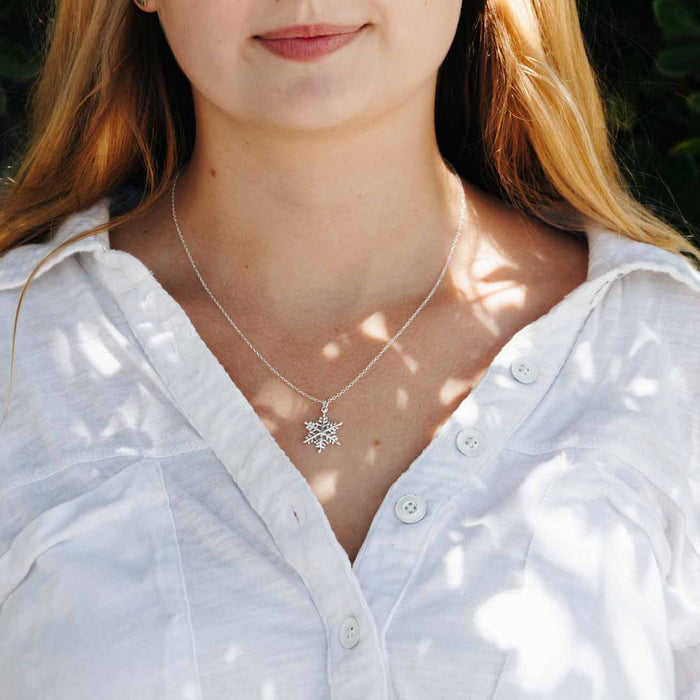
point(648, 334)
point(53, 269)
point(659, 303)
point(56, 287)
point(640, 346)
point(83, 388)
point(56, 282)
point(648, 331)
point(17, 264)
point(653, 319)
point(629, 384)
point(40, 355)
point(640, 283)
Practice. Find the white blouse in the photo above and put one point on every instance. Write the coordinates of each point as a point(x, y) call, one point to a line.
point(156, 543)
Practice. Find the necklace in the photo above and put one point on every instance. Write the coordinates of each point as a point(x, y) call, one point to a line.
point(322, 432)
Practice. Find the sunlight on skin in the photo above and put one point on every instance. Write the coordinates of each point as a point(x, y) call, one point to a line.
point(486, 305)
point(371, 456)
point(401, 398)
point(375, 327)
point(331, 351)
point(410, 364)
point(325, 484)
point(493, 304)
point(282, 402)
point(487, 299)
point(286, 405)
point(451, 389)
point(269, 424)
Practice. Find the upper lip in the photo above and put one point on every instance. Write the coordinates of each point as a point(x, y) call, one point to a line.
point(309, 30)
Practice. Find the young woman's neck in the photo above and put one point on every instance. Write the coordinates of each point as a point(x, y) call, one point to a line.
point(326, 230)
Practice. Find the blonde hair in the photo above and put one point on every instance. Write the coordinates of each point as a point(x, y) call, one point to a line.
point(518, 112)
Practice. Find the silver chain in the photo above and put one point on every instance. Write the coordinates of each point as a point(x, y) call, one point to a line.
point(381, 352)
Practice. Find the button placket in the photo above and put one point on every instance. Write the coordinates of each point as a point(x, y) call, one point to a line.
point(296, 527)
point(275, 490)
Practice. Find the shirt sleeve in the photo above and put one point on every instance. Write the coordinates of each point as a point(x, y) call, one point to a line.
point(682, 590)
point(682, 514)
point(683, 604)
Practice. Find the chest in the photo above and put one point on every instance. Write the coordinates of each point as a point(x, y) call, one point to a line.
point(388, 418)
point(391, 415)
point(376, 445)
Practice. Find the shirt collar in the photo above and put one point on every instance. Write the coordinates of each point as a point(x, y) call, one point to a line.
point(17, 264)
point(611, 254)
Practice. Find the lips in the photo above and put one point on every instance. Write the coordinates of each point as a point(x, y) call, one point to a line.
point(306, 31)
point(310, 41)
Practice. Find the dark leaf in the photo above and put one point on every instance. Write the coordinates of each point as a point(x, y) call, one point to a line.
point(689, 147)
point(679, 61)
point(674, 18)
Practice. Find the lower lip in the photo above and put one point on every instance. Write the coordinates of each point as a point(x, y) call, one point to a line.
point(308, 49)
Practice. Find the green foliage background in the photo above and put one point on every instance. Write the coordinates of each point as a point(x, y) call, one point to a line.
point(646, 52)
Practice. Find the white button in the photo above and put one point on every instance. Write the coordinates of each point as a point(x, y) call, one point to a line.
point(410, 508)
point(471, 441)
point(349, 632)
point(524, 370)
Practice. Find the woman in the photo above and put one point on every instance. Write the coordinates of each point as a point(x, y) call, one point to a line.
point(236, 460)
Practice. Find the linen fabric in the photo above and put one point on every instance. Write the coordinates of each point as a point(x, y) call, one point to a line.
point(157, 543)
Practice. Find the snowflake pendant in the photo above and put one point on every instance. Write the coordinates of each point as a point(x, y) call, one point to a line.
point(322, 432)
